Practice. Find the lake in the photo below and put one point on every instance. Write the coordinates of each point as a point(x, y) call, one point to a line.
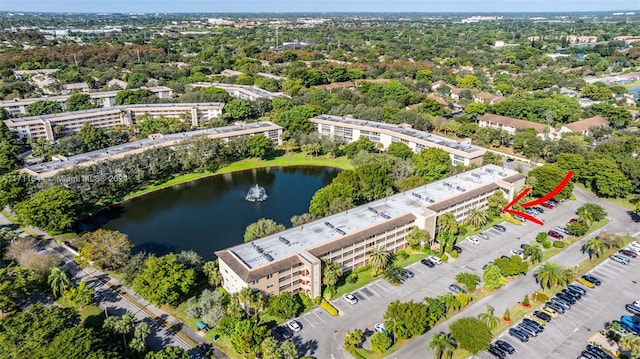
point(212, 213)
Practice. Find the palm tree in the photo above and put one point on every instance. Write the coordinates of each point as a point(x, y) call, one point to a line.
point(141, 331)
point(477, 217)
point(449, 300)
point(256, 301)
point(397, 327)
point(59, 281)
point(443, 344)
point(490, 320)
point(244, 297)
point(551, 275)
point(379, 258)
point(331, 272)
point(534, 252)
point(594, 247)
point(289, 350)
point(447, 223)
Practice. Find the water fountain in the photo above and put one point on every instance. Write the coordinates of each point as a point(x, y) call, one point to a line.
point(256, 194)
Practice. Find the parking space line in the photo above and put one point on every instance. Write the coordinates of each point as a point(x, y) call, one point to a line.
point(315, 312)
point(307, 319)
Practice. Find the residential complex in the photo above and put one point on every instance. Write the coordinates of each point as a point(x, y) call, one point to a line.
point(510, 125)
point(62, 163)
point(249, 93)
point(291, 260)
point(18, 107)
point(111, 117)
point(351, 129)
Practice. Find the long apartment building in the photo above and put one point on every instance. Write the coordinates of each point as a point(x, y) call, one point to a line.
point(249, 93)
point(291, 260)
point(18, 107)
point(61, 163)
point(351, 129)
point(111, 117)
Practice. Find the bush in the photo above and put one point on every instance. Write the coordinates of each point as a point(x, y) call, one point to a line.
point(380, 342)
point(454, 253)
point(306, 301)
point(469, 280)
point(352, 278)
point(541, 237)
point(559, 244)
point(471, 334)
point(546, 244)
point(317, 299)
point(526, 302)
point(506, 315)
point(329, 308)
point(329, 292)
point(540, 297)
point(444, 257)
point(402, 254)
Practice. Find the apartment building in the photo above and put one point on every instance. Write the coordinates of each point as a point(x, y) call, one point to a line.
point(351, 129)
point(249, 93)
point(18, 107)
point(111, 117)
point(510, 124)
point(61, 163)
point(291, 260)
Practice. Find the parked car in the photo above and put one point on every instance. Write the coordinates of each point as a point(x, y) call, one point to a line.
point(567, 298)
point(407, 274)
point(524, 246)
point(517, 252)
point(499, 227)
point(531, 212)
point(380, 328)
point(551, 309)
point(519, 218)
point(509, 159)
point(599, 352)
point(555, 307)
point(628, 253)
point(456, 289)
point(533, 332)
point(577, 288)
point(482, 235)
point(591, 279)
point(473, 240)
point(555, 235)
point(589, 355)
point(350, 298)
point(632, 309)
point(435, 259)
point(283, 332)
point(519, 334)
point(549, 203)
point(427, 262)
point(635, 250)
point(542, 315)
point(561, 302)
point(505, 346)
point(562, 229)
point(294, 325)
point(574, 293)
point(634, 244)
point(486, 265)
point(538, 209)
point(636, 302)
point(573, 220)
point(546, 205)
point(497, 352)
point(620, 259)
point(533, 323)
point(457, 249)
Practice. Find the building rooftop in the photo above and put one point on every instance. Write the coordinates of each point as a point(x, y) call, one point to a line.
point(401, 207)
point(124, 148)
point(512, 122)
point(422, 135)
point(256, 91)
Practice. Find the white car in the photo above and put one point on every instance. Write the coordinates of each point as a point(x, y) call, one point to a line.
point(435, 259)
point(637, 303)
point(380, 328)
point(517, 252)
point(350, 298)
point(294, 325)
point(473, 240)
point(634, 244)
point(633, 249)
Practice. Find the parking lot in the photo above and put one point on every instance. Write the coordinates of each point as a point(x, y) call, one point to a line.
point(322, 335)
point(566, 336)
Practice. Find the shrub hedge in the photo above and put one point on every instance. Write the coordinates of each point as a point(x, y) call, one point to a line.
point(329, 308)
point(559, 244)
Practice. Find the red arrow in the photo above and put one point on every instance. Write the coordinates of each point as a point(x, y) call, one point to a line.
point(545, 198)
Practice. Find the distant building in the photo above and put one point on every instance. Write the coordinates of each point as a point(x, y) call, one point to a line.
point(115, 83)
point(351, 129)
point(42, 126)
point(337, 85)
point(292, 45)
point(584, 126)
point(487, 98)
point(250, 93)
point(508, 124)
point(228, 133)
point(290, 261)
point(78, 86)
point(455, 91)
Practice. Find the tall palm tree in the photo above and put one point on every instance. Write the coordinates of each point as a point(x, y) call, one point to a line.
point(141, 331)
point(594, 247)
point(443, 344)
point(449, 300)
point(289, 350)
point(379, 258)
point(551, 275)
point(244, 297)
point(477, 217)
point(59, 281)
point(331, 272)
point(534, 252)
point(397, 327)
point(447, 222)
point(490, 320)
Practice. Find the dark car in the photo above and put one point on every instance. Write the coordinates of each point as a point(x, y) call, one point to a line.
point(499, 228)
point(525, 246)
point(628, 253)
point(456, 289)
point(457, 249)
point(577, 288)
point(283, 332)
point(546, 205)
point(533, 332)
point(567, 298)
point(505, 346)
point(561, 302)
point(589, 354)
point(486, 265)
point(599, 352)
point(497, 352)
point(555, 307)
point(519, 334)
point(533, 323)
point(538, 209)
point(592, 279)
point(555, 234)
point(540, 315)
point(572, 293)
point(509, 159)
point(427, 262)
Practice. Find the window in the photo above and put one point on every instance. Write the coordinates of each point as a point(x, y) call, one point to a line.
point(270, 285)
point(255, 281)
point(344, 132)
point(326, 129)
point(269, 276)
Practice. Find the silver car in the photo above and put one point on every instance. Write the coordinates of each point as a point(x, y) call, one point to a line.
point(620, 259)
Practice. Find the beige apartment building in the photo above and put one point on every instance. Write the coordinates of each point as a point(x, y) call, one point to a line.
point(111, 117)
point(291, 260)
point(18, 107)
point(351, 129)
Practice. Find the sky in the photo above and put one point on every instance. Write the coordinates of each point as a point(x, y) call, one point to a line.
point(248, 6)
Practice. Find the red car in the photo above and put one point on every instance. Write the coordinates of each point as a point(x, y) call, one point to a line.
point(572, 220)
point(555, 235)
point(546, 205)
point(628, 253)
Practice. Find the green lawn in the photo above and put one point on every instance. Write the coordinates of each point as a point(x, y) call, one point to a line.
point(291, 159)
